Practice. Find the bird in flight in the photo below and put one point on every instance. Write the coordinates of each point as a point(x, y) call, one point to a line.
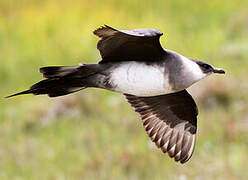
point(153, 80)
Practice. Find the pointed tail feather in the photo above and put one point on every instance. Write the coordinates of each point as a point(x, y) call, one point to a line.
point(20, 93)
point(54, 87)
point(61, 80)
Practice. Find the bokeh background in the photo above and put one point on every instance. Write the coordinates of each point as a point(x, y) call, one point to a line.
point(94, 134)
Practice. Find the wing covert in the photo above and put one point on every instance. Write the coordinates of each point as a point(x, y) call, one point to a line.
point(129, 45)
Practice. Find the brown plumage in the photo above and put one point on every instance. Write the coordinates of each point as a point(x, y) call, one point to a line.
point(134, 62)
point(129, 45)
point(170, 122)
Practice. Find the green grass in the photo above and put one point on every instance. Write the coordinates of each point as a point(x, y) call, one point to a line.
point(94, 134)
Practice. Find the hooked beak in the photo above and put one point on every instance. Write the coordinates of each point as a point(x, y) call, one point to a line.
point(219, 71)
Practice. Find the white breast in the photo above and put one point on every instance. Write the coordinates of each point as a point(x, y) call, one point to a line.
point(139, 79)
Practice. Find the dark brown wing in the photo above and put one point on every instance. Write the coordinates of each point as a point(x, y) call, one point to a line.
point(170, 121)
point(129, 45)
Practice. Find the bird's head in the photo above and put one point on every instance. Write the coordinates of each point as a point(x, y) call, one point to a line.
point(208, 69)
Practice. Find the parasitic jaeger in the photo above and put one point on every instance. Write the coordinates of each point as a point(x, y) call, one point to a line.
point(153, 80)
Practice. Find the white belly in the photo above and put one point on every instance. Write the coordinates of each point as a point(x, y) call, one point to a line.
point(139, 79)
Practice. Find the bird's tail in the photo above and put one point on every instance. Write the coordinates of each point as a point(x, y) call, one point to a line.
point(61, 80)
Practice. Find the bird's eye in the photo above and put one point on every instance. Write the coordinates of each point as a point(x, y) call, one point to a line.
point(206, 66)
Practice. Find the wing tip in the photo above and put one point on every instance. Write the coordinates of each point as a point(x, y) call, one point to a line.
point(158, 32)
point(102, 30)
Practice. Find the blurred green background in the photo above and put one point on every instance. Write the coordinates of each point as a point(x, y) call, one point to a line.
point(94, 134)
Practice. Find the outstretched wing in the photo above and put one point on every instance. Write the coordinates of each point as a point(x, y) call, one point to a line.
point(129, 45)
point(170, 121)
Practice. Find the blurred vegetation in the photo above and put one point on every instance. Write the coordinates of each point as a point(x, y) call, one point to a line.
point(94, 134)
